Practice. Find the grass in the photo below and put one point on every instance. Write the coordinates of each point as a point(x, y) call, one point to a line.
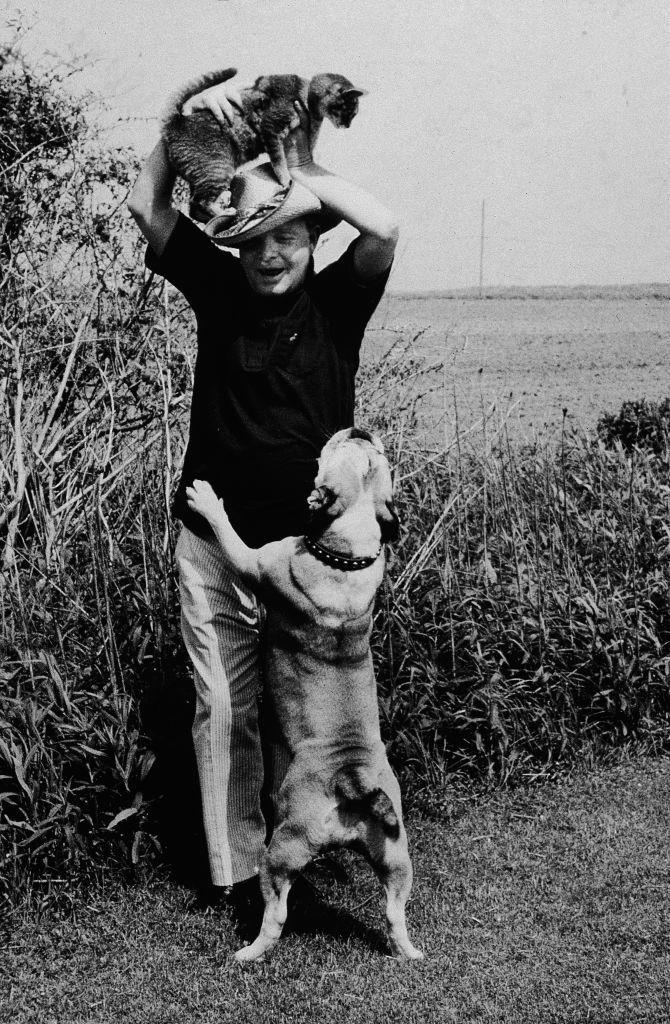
point(548, 904)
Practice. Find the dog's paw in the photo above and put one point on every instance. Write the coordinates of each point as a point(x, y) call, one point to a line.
point(248, 955)
point(412, 954)
point(201, 498)
point(404, 950)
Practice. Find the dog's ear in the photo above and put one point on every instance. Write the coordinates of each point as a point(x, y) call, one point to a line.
point(321, 502)
point(389, 524)
point(381, 482)
point(360, 434)
point(321, 498)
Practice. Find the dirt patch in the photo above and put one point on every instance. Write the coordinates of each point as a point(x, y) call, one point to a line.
point(531, 358)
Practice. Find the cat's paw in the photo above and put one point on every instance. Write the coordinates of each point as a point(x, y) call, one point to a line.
point(204, 212)
point(227, 212)
point(281, 173)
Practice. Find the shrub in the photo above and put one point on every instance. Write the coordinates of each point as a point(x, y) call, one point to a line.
point(94, 367)
point(638, 424)
point(37, 128)
point(531, 617)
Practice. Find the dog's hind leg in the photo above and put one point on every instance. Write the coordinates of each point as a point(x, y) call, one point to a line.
point(274, 919)
point(286, 856)
point(390, 859)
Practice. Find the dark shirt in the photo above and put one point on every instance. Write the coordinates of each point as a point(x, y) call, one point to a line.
point(274, 379)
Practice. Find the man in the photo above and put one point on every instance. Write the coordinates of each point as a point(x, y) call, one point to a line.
point(278, 349)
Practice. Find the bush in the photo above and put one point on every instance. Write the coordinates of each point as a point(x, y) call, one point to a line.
point(93, 370)
point(38, 128)
point(531, 618)
point(638, 424)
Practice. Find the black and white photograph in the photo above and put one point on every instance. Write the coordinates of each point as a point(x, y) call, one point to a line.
point(334, 512)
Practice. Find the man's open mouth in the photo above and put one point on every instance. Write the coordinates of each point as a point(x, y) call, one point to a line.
point(271, 272)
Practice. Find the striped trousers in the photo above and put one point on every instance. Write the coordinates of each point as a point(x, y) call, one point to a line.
point(222, 624)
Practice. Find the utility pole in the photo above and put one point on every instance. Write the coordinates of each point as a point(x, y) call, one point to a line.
point(481, 252)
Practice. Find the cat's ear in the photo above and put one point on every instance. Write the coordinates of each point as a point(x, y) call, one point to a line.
point(355, 92)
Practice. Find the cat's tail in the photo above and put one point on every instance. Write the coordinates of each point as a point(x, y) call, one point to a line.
point(178, 98)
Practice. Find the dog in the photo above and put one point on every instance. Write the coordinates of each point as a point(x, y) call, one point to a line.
point(319, 592)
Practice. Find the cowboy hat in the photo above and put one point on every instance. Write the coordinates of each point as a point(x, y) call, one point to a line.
point(260, 204)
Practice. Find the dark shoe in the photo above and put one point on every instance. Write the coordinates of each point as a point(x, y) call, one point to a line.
point(239, 898)
point(244, 906)
point(208, 898)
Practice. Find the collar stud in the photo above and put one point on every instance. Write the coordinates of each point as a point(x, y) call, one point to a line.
point(337, 560)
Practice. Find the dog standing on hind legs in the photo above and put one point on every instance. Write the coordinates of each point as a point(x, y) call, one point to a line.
point(319, 592)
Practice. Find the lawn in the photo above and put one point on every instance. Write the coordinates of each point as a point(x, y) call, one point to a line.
point(546, 904)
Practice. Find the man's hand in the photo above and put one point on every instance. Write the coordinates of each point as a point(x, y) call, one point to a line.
point(201, 498)
point(296, 141)
point(295, 151)
point(222, 100)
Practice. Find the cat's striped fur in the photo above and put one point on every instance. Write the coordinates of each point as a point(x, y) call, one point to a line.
point(207, 154)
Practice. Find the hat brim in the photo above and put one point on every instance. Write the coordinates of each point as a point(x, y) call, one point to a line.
point(286, 205)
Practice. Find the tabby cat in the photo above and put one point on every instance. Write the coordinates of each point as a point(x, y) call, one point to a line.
point(207, 154)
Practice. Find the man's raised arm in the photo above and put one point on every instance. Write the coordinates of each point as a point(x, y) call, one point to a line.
point(378, 226)
point(150, 200)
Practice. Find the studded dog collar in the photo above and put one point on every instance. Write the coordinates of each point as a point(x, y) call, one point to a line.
point(337, 560)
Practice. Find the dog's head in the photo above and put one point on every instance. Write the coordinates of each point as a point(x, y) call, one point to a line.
point(353, 467)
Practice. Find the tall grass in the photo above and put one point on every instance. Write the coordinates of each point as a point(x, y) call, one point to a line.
point(93, 382)
point(525, 618)
point(528, 619)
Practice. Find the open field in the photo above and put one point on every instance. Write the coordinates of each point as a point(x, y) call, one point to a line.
point(586, 350)
point(545, 905)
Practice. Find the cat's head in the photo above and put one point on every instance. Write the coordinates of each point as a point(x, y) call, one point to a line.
point(334, 97)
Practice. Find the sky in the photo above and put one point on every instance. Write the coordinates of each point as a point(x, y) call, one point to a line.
point(555, 112)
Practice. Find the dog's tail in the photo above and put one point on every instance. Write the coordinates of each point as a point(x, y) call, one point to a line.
point(177, 100)
point(353, 787)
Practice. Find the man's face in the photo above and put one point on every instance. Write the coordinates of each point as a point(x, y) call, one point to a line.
point(276, 263)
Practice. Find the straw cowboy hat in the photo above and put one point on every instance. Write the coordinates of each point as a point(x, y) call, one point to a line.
point(260, 204)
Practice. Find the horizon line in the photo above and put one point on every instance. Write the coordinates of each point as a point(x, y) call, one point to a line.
point(475, 291)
